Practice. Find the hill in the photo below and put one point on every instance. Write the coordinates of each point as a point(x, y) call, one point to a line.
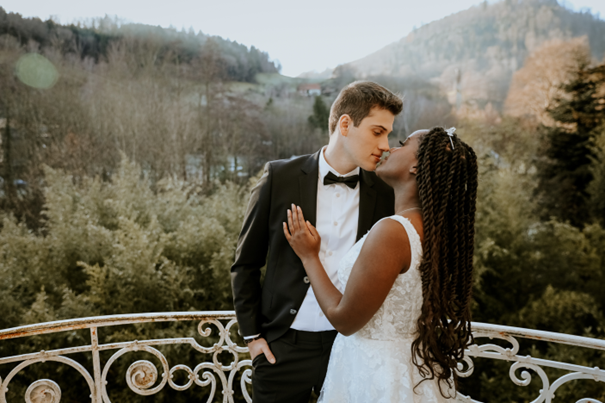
point(236, 61)
point(476, 51)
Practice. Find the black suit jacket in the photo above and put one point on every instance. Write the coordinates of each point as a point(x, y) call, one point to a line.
point(270, 308)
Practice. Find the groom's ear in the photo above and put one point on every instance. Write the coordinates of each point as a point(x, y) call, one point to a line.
point(344, 123)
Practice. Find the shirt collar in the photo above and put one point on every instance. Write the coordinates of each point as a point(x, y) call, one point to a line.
point(324, 167)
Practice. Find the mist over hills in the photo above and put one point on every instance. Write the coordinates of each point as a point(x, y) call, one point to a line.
point(475, 52)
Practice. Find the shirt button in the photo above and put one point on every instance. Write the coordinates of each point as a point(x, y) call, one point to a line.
point(337, 194)
point(293, 311)
point(335, 223)
point(329, 253)
point(306, 280)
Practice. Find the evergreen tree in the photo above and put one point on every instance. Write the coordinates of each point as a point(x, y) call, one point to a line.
point(567, 167)
point(321, 114)
point(597, 186)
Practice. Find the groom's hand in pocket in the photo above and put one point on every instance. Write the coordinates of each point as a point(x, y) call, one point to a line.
point(260, 346)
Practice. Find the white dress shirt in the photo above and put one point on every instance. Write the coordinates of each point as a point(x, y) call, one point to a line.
point(336, 222)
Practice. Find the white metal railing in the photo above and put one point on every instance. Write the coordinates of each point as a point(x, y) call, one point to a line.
point(142, 375)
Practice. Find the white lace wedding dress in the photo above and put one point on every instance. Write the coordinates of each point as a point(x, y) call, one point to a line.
point(375, 364)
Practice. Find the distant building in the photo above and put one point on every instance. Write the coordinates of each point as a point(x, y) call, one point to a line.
point(309, 90)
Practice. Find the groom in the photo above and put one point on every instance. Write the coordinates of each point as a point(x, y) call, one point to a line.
point(289, 337)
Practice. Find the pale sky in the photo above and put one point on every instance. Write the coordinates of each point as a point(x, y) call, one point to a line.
point(303, 35)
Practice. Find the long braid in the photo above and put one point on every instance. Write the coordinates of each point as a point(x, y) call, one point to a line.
point(471, 209)
point(443, 180)
point(459, 258)
point(457, 225)
point(442, 227)
point(470, 183)
point(447, 188)
point(449, 251)
point(428, 273)
point(432, 210)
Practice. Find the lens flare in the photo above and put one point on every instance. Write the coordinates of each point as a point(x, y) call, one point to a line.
point(36, 71)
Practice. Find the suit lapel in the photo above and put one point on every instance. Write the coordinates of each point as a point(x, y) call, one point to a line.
point(308, 187)
point(367, 202)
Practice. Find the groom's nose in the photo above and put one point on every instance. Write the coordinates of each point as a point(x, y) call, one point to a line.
point(383, 145)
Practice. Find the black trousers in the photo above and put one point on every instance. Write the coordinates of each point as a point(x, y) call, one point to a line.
point(301, 362)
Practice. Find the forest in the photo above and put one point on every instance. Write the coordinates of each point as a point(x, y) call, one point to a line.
point(128, 153)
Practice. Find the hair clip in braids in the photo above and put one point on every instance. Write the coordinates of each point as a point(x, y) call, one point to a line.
point(450, 132)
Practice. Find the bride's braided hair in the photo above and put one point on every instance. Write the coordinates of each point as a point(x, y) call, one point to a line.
point(447, 187)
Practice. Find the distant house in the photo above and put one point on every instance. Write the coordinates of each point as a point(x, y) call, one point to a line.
point(309, 90)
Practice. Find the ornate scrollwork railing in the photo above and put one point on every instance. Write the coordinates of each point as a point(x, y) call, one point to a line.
point(143, 378)
point(511, 353)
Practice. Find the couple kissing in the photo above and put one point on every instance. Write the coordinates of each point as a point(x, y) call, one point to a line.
point(366, 295)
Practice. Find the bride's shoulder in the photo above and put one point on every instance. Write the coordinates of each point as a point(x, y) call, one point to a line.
point(387, 245)
point(389, 226)
point(388, 232)
point(411, 225)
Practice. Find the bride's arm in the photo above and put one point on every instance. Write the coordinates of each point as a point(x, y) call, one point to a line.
point(385, 254)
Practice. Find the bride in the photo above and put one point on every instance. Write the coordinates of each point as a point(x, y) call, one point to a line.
point(404, 313)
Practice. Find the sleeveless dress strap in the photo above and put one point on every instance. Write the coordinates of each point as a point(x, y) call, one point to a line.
point(414, 238)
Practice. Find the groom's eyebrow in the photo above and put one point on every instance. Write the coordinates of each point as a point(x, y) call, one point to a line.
point(381, 127)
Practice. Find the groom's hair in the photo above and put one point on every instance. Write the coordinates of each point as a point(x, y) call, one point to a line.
point(357, 100)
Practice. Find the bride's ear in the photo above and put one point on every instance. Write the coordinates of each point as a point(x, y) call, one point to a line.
point(414, 170)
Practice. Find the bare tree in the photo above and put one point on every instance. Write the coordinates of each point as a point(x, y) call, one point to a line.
point(538, 83)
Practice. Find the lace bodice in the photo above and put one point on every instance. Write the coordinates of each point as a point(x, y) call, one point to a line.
point(376, 364)
point(396, 319)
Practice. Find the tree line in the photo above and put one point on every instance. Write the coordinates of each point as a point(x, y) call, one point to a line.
point(95, 40)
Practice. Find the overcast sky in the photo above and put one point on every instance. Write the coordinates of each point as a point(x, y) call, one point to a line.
point(303, 35)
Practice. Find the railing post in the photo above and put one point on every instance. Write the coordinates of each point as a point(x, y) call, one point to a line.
point(96, 365)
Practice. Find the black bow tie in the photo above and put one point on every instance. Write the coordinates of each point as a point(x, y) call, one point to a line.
point(350, 181)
